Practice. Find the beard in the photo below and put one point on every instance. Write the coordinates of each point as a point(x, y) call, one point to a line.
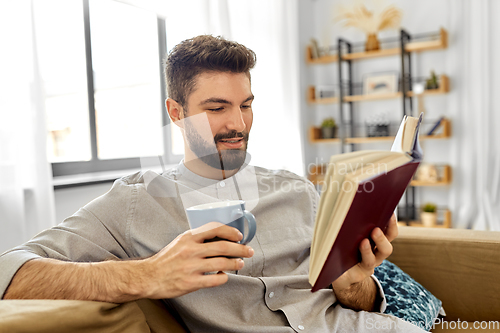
point(221, 159)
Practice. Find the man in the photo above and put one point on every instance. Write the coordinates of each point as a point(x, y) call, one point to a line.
point(262, 287)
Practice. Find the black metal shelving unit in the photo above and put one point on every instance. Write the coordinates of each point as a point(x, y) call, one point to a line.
point(346, 89)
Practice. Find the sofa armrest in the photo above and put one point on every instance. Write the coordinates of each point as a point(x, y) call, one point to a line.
point(53, 316)
point(460, 267)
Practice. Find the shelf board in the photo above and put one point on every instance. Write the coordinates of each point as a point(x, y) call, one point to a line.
point(369, 139)
point(421, 183)
point(372, 97)
point(319, 177)
point(444, 87)
point(311, 97)
point(420, 225)
point(372, 139)
point(315, 136)
point(444, 181)
point(445, 224)
point(390, 138)
point(327, 140)
point(441, 43)
point(317, 173)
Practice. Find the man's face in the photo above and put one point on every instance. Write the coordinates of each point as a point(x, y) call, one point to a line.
point(225, 100)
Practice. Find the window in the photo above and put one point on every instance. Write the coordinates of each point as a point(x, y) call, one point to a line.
point(100, 62)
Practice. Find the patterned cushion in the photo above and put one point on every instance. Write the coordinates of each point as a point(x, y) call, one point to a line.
point(406, 298)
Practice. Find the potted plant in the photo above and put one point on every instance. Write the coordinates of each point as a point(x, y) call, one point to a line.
point(432, 82)
point(328, 128)
point(429, 215)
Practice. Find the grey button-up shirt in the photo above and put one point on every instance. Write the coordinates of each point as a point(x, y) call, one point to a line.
point(144, 212)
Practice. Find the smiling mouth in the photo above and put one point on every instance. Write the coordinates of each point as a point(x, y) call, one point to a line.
point(233, 143)
point(235, 140)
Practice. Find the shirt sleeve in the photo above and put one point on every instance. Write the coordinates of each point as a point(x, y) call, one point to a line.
point(383, 304)
point(94, 233)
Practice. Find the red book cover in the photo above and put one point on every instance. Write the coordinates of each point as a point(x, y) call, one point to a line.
point(371, 207)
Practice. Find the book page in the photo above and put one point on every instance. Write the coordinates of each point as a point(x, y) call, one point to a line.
point(337, 168)
point(330, 234)
point(406, 140)
point(409, 134)
point(397, 145)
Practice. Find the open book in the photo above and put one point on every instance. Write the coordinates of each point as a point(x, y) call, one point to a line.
point(360, 192)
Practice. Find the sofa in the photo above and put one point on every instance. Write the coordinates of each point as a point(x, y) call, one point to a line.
point(460, 267)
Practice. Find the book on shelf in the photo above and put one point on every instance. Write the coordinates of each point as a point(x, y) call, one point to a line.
point(360, 192)
point(314, 49)
point(435, 127)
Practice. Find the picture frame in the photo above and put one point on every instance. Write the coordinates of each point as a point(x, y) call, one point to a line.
point(380, 83)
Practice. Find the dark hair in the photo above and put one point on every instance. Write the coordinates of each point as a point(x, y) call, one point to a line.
point(201, 54)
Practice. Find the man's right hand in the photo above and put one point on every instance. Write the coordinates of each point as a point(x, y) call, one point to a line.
point(180, 267)
point(177, 269)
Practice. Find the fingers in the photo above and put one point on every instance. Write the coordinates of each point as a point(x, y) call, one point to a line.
point(371, 259)
point(383, 246)
point(224, 248)
point(392, 229)
point(368, 259)
point(216, 229)
point(213, 280)
point(220, 264)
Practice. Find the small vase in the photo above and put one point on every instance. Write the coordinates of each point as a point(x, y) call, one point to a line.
point(372, 43)
point(429, 220)
point(328, 132)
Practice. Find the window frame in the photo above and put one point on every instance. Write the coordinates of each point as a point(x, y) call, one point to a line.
point(98, 165)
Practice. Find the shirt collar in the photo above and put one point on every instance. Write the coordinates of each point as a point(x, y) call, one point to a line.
point(188, 175)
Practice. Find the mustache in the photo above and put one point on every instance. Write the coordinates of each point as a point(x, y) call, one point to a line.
point(231, 135)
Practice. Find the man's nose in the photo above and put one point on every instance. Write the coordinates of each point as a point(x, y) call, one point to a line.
point(235, 120)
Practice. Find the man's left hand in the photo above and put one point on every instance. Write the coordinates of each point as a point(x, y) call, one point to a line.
point(355, 288)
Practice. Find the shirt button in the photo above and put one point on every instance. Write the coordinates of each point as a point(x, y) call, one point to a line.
point(222, 184)
point(271, 294)
point(301, 327)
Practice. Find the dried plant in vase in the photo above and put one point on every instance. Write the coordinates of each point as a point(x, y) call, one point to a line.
point(370, 22)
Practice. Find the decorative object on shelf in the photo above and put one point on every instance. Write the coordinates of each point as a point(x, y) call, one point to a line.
point(328, 128)
point(418, 90)
point(427, 173)
point(380, 83)
point(371, 22)
point(314, 49)
point(429, 215)
point(324, 91)
point(377, 125)
point(432, 82)
point(436, 126)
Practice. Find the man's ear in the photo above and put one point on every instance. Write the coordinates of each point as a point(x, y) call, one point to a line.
point(175, 111)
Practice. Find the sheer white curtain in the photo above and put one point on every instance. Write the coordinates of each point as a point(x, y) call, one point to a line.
point(477, 125)
point(270, 28)
point(26, 193)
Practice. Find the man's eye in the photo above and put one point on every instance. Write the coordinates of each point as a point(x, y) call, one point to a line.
point(246, 106)
point(216, 109)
